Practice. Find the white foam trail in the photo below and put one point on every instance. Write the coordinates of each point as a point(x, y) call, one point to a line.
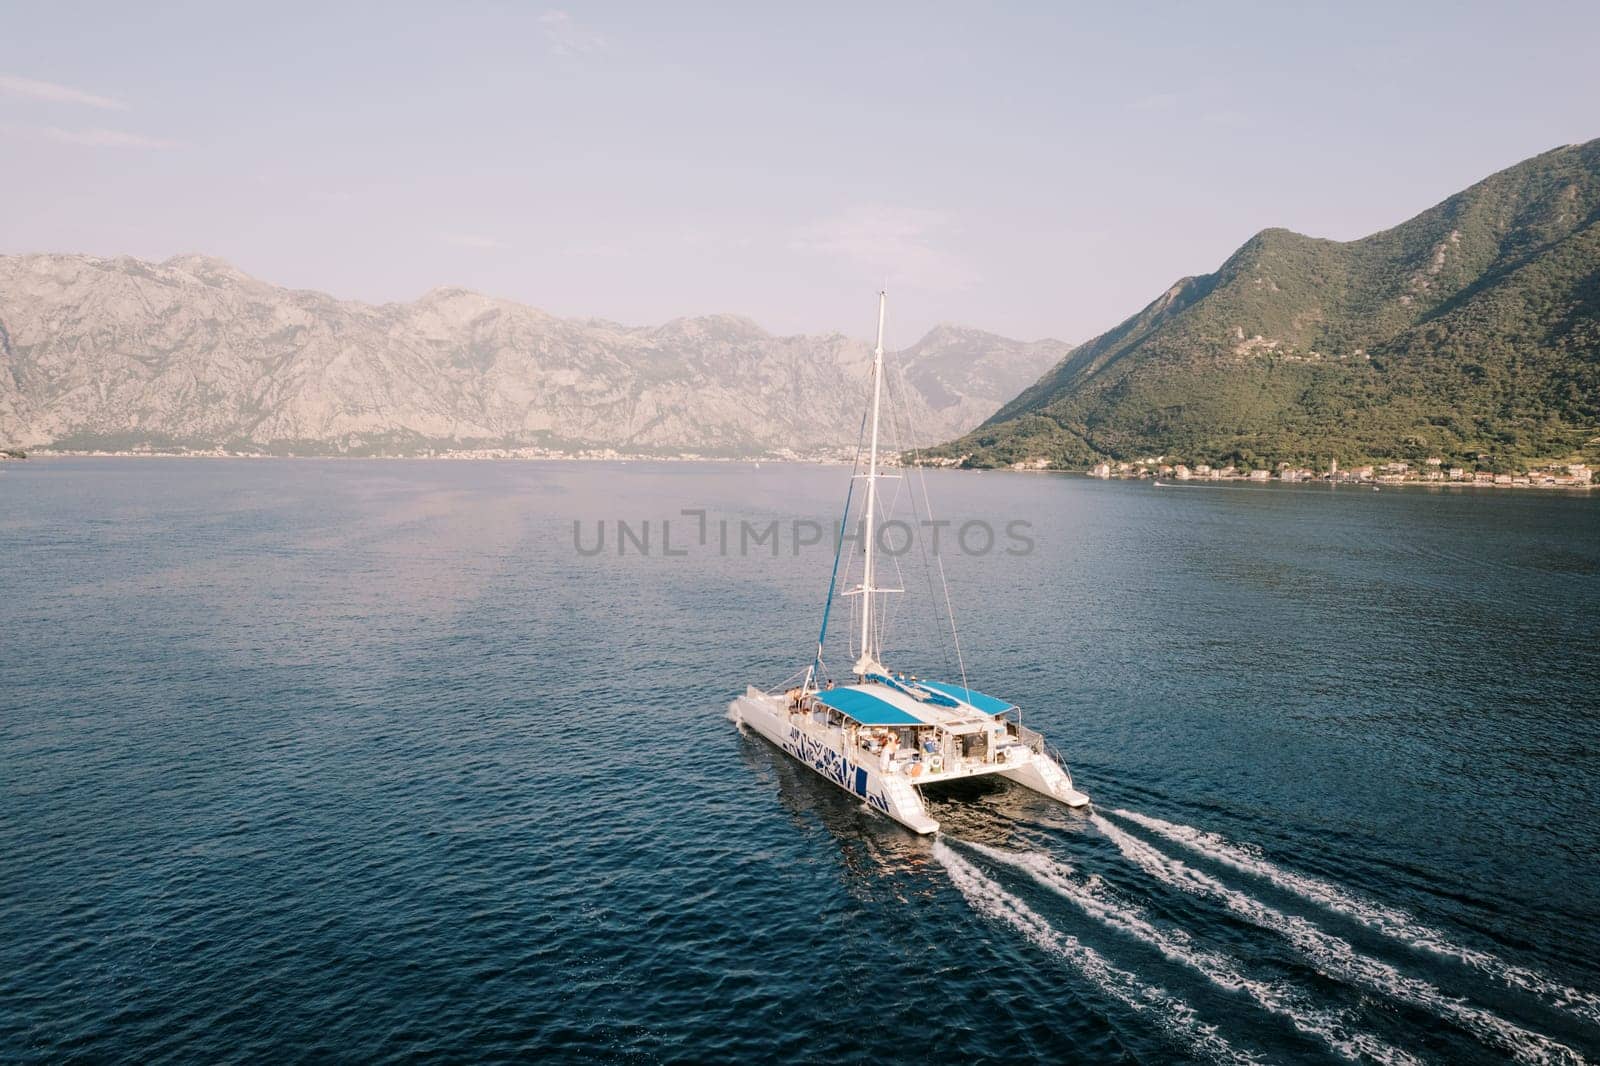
point(1331, 1027)
point(1336, 958)
point(1390, 921)
point(1173, 1014)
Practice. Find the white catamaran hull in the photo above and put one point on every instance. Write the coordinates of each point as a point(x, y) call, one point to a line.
point(827, 755)
point(828, 751)
point(883, 735)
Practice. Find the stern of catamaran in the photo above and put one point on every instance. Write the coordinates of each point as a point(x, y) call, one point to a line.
point(934, 731)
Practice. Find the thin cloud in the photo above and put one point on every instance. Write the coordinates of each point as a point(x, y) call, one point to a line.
point(1155, 102)
point(105, 138)
point(600, 250)
point(54, 93)
point(470, 240)
point(697, 237)
point(1236, 120)
point(565, 37)
point(673, 240)
point(889, 243)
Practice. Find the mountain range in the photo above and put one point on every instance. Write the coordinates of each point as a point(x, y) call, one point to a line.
point(191, 353)
point(1470, 332)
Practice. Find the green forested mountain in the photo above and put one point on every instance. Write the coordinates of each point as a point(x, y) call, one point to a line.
point(1473, 329)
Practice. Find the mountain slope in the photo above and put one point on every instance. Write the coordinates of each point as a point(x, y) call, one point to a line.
point(119, 353)
point(1473, 328)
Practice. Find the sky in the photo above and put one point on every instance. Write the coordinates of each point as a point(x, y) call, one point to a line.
point(1039, 170)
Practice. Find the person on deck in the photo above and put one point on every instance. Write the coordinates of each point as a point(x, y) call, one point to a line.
point(890, 746)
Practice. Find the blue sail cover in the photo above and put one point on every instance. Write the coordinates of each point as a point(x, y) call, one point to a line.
point(972, 697)
point(914, 689)
point(865, 707)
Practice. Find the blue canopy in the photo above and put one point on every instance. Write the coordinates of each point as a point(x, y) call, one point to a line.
point(865, 707)
point(986, 704)
point(914, 689)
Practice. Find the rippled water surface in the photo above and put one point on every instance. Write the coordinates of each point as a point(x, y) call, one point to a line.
point(365, 761)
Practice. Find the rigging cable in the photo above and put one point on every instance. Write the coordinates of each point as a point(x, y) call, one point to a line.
point(950, 610)
point(927, 568)
point(827, 606)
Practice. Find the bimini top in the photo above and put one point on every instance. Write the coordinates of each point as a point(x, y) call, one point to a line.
point(943, 694)
point(880, 701)
point(865, 707)
point(971, 697)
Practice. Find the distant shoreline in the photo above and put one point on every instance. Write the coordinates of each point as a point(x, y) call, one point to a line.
point(1154, 482)
point(1348, 486)
point(812, 460)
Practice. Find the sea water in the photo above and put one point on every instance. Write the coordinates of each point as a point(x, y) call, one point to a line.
point(379, 761)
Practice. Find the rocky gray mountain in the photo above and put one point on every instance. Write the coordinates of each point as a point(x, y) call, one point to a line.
point(119, 353)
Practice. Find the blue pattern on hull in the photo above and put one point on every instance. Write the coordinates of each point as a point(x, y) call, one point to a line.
point(830, 764)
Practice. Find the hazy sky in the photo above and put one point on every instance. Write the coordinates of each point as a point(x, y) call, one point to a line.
point(1037, 170)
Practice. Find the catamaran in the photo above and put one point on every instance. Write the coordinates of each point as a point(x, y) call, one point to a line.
point(885, 735)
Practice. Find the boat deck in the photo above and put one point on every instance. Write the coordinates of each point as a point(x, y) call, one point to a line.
point(901, 708)
point(908, 716)
point(955, 767)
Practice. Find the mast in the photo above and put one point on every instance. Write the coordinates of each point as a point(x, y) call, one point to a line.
point(868, 663)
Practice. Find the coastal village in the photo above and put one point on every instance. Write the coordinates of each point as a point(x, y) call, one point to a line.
point(1431, 472)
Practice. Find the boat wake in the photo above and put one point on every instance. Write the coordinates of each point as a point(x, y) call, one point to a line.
point(1336, 958)
point(1390, 921)
point(1174, 1015)
point(1333, 1028)
point(1331, 956)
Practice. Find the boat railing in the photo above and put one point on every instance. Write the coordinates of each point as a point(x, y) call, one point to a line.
point(1035, 741)
point(1032, 738)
